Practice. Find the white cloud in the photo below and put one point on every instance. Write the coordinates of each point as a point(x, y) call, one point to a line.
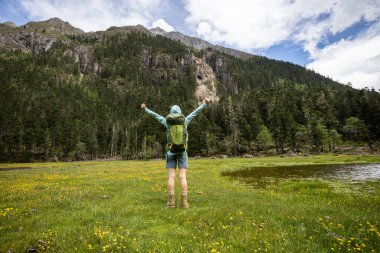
point(256, 24)
point(243, 24)
point(163, 25)
point(356, 60)
point(93, 15)
point(339, 15)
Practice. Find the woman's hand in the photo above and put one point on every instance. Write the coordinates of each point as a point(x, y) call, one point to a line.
point(143, 106)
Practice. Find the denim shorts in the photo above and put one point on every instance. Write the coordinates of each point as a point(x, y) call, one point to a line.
point(172, 159)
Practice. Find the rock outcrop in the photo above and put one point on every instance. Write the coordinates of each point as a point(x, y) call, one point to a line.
point(224, 76)
point(26, 41)
point(84, 56)
point(8, 24)
point(206, 81)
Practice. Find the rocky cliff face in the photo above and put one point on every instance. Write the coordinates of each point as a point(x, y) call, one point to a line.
point(161, 66)
point(84, 56)
point(206, 81)
point(223, 75)
point(8, 24)
point(26, 41)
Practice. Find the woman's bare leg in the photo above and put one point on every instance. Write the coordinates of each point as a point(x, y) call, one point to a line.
point(183, 181)
point(171, 180)
point(182, 178)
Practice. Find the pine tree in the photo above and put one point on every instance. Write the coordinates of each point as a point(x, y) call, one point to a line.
point(264, 138)
point(232, 126)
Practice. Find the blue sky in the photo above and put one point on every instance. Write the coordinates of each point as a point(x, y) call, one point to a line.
point(337, 38)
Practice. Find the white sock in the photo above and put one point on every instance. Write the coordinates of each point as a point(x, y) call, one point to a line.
point(171, 193)
point(184, 193)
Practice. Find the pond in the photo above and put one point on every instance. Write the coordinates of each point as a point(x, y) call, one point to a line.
point(261, 177)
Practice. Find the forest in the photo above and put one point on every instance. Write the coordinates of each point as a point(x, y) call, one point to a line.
point(56, 108)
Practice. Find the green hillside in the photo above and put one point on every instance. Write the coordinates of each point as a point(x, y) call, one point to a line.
point(75, 96)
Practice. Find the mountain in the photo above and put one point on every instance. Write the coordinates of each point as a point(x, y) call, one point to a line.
point(34, 36)
point(53, 27)
point(66, 94)
point(198, 43)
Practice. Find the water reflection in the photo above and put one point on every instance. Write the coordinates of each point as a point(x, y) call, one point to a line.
point(264, 176)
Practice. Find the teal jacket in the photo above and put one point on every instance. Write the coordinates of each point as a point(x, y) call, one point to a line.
point(176, 109)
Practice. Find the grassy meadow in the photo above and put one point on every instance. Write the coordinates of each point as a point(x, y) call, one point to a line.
point(120, 206)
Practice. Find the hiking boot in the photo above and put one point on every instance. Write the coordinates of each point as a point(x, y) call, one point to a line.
point(171, 202)
point(185, 204)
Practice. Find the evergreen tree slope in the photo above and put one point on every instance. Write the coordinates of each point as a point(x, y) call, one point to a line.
point(71, 95)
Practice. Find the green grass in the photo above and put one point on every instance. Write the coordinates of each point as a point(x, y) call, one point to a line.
point(120, 207)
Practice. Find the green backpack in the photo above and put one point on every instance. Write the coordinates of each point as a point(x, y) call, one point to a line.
point(176, 134)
